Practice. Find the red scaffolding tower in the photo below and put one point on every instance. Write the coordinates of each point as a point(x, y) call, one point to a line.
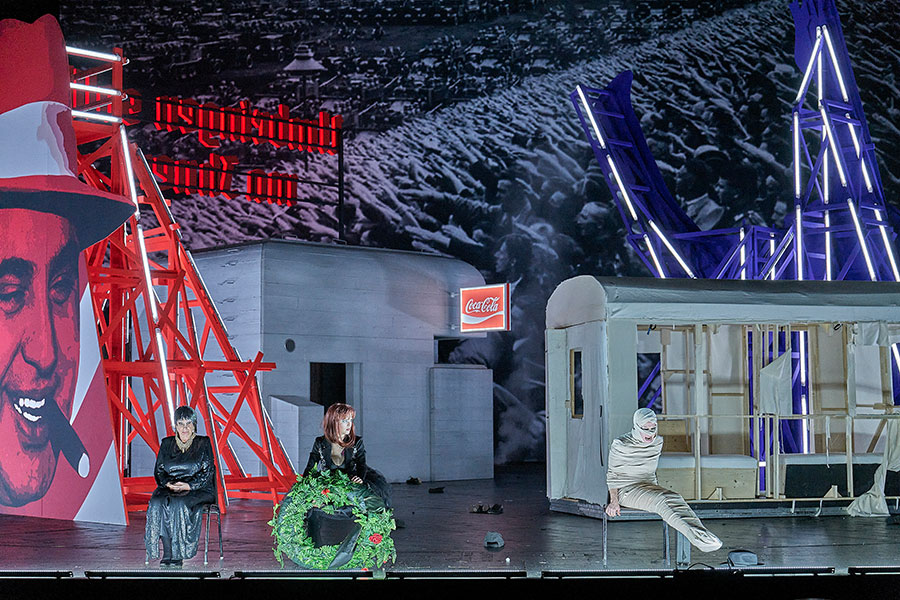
point(159, 331)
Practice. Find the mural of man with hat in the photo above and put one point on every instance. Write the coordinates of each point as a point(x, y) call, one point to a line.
point(47, 217)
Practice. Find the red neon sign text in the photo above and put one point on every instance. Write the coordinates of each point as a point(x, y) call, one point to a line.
point(246, 124)
point(274, 188)
point(187, 177)
point(215, 179)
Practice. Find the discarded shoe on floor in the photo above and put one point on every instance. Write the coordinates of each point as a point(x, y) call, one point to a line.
point(487, 509)
point(493, 540)
point(413, 481)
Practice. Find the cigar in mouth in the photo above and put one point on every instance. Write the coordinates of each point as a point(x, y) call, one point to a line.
point(64, 439)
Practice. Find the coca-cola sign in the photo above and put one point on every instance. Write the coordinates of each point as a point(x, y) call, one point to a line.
point(484, 308)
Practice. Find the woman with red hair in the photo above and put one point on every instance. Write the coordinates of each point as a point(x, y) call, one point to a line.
point(340, 448)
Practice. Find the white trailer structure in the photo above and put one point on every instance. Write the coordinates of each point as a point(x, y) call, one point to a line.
point(720, 401)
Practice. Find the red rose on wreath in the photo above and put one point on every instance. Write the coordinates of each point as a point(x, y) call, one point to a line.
point(325, 491)
point(375, 538)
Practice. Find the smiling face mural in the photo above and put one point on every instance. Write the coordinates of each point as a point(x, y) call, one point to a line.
point(56, 449)
point(39, 335)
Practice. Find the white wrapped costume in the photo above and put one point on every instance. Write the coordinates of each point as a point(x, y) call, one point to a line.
point(632, 470)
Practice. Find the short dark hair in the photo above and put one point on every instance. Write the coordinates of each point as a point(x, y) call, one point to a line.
point(186, 413)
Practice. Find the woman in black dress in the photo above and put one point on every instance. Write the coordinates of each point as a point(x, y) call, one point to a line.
point(186, 480)
point(340, 448)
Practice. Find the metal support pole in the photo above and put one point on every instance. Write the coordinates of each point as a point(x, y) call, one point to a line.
point(340, 206)
point(682, 550)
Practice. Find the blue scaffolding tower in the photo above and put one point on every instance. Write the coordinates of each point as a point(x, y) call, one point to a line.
point(840, 228)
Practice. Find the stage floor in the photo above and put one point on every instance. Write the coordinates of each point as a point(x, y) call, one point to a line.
point(439, 532)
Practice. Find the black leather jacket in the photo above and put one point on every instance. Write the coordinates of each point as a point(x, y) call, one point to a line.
point(354, 458)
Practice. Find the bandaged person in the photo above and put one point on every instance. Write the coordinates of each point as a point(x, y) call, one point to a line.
point(632, 482)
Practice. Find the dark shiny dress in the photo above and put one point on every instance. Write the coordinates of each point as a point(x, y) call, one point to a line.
point(354, 465)
point(175, 516)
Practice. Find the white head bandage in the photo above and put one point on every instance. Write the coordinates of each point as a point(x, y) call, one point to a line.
point(643, 425)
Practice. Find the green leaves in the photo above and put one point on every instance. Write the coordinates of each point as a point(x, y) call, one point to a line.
point(330, 491)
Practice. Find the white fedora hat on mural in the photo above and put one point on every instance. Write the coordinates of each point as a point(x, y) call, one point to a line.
point(38, 159)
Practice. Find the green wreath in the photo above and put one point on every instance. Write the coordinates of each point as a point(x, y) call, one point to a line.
point(329, 491)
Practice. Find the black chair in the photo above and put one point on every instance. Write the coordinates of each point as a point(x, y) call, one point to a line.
point(210, 509)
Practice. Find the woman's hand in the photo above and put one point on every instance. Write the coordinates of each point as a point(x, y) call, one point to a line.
point(356, 479)
point(613, 509)
point(179, 486)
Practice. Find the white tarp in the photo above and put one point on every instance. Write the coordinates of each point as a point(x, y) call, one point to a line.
point(871, 333)
point(775, 394)
point(873, 503)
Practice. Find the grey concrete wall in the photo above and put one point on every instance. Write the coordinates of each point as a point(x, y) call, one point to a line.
point(379, 311)
point(462, 423)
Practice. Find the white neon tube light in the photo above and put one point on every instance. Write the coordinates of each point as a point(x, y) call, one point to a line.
point(888, 247)
point(802, 335)
point(654, 257)
point(833, 146)
point(862, 162)
point(621, 185)
point(804, 409)
point(884, 237)
point(151, 293)
point(859, 155)
point(784, 246)
point(165, 376)
point(590, 114)
point(834, 61)
point(129, 171)
point(862, 240)
point(799, 241)
point(672, 250)
point(827, 245)
point(772, 253)
point(151, 299)
point(93, 88)
point(743, 255)
point(145, 263)
point(80, 114)
point(796, 155)
point(896, 355)
point(820, 89)
point(93, 54)
point(855, 139)
point(809, 66)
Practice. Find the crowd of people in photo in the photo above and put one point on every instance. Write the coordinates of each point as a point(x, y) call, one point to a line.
point(374, 69)
point(507, 182)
